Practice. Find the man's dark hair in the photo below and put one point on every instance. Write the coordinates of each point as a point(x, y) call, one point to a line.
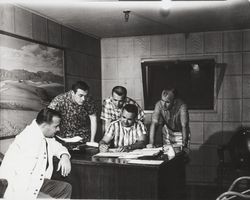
point(120, 90)
point(45, 115)
point(80, 85)
point(131, 108)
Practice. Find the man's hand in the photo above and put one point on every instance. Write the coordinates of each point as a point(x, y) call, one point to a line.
point(103, 147)
point(150, 146)
point(65, 165)
point(123, 149)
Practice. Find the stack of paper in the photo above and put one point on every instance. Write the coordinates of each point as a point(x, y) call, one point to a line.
point(145, 162)
point(71, 140)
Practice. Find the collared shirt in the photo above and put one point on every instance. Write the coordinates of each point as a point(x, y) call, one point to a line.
point(111, 112)
point(75, 118)
point(24, 164)
point(174, 119)
point(124, 136)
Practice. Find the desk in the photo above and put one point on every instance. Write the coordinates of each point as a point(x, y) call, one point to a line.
point(113, 178)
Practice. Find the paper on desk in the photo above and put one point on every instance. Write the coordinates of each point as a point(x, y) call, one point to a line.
point(71, 140)
point(145, 162)
point(92, 144)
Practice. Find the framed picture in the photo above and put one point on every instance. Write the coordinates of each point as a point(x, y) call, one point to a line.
point(31, 74)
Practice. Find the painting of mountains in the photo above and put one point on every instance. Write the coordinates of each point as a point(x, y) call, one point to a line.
point(31, 75)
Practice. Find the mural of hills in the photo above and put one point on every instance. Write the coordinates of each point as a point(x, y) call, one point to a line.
point(24, 90)
point(20, 74)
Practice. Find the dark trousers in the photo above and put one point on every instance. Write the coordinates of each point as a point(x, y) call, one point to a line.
point(55, 189)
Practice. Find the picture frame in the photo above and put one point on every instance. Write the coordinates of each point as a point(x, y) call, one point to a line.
point(31, 75)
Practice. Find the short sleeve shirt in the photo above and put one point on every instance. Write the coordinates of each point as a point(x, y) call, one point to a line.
point(124, 136)
point(110, 112)
point(174, 118)
point(75, 118)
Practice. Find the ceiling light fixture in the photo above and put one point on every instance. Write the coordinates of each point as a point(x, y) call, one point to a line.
point(126, 15)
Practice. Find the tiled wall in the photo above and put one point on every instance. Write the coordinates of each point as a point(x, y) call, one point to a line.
point(121, 65)
point(82, 52)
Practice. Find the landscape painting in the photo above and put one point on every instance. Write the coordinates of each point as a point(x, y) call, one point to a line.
point(31, 74)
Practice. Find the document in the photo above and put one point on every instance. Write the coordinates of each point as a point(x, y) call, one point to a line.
point(145, 162)
point(71, 140)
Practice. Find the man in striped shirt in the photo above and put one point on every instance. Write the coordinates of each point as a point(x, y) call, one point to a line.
point(112, 106)
point(126, 133)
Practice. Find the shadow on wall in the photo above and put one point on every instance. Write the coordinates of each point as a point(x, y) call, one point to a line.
point(206, 159)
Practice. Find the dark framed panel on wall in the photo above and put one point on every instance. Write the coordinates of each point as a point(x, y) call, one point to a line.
point(194, 78)
point(31, 74)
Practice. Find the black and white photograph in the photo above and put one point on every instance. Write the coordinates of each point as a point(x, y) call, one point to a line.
point(124, 99)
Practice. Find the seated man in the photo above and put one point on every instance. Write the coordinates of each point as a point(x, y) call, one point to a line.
point(173, 113)
point(28, 163)
point(127, 133)
point(112, 106)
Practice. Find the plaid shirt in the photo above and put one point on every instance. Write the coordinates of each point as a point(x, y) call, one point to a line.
point(75, 118)
point(124, 136)
point(110, 112)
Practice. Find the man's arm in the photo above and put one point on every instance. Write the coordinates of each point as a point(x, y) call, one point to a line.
point(104, 143)
point(93, 124)
point(185, 125)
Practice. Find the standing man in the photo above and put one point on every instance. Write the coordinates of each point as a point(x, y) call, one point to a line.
point(28, 163)
point(78, 112)
point(112, 106)
point(173, 114)
point(126, 132)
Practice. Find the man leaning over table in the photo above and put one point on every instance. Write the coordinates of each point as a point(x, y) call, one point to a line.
point(127, 133)
point(78, 110)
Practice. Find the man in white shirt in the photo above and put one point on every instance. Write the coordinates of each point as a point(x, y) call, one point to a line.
point(28, 163)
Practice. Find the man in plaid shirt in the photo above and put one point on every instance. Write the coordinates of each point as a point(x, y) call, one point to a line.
point(112, 106)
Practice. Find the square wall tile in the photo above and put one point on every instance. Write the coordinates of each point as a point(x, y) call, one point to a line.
point(246, 63)
point(23, 22)
point(125, 47)
point(107, 86)
point(232, 87)
point(212, 133)
point(138, 89)
point(158, 45)
point(210, 155)
point(246, 40)
point(40, 29)
point(109, 68)
point(229, 128)
point(129, 84)
point(194, 173)
point(54, 33)
point(215, 116)
point(210, 173)
point(195, 43)
point(196, 155)
point(125, 68)
point(176, 44)
point(246, 86)
point(233, 63)
point(246, 110)
point(142, 46)
point(232, 41)
point(232, 110)
point(109, 47)
point(194, 117)
point(196, 129)
point(213, 42)
point(7, 18)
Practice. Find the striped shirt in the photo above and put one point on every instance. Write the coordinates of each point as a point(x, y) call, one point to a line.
point(124, 136)
point(111, 112)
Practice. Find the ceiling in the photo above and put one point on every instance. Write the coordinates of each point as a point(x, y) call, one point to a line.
point(103, 19)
